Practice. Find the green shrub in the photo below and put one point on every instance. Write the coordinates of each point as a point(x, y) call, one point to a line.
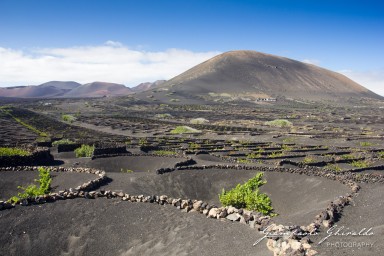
point(248, 196)
point(347, 157)
point(275, 154)
point(84, 151)
point(333, 167)
point(68, 118)
point(44, 185)
point(255, 154)
point(199, 120)
point(63, 142)
point(360, 164)
point(184, 129)
point(308, 160)
point(143, 141)
point(243, 161)
point(366, 144)
point(126, 170)
point(381, 154)
point(4, 151)
point(279, 123)
point(193, 146)
point(43, 139)
point(165, 153)
point(285, 147)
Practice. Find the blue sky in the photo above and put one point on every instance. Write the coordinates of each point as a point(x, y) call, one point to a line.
point(344, 36)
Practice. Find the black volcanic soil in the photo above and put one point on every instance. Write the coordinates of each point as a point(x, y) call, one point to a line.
point(286, 191)
point(9, 181)
point(366, 212)
point(321, 134)
point(120, 163)
point(111, 227)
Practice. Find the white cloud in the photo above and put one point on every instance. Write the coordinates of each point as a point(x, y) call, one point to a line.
point(373, 79)
point(311, 61)
point(111, 62)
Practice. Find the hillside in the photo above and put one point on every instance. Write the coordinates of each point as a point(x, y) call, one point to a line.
point(253, 75)
point(58, 89)
point(46, 90)
point(99, 89)
point(147, 86)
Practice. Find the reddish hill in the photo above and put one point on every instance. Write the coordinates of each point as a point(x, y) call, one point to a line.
point(46, 90)
point(55, 89)
point(99, 89)
point(147, 86)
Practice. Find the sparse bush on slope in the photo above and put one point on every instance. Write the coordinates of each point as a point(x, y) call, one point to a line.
point(199, 120)
point(68, 118)
point(247, 196)
point(62, 142)
point(84, 151)
point(279, 123)
point(44, 182)
point(184, 129)
point(4, 151)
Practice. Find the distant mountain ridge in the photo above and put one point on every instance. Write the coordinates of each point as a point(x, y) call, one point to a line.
point(70, 89)
point(147, 86)
point(231, 76)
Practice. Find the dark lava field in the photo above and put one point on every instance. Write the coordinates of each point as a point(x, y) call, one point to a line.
point(151, 183)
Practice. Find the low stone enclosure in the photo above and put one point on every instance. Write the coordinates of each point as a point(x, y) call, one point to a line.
point(296, 239)
point(38, 156)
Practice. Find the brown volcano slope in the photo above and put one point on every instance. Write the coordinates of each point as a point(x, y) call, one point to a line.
point(258, 75)
point(46, 90)
point(99, 89)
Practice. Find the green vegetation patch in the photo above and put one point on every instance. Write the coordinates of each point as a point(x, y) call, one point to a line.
point(4, 151)
point(247, 196)
point(282, 123)
point(275, 154)
point(366, 144)
point(126, 170)
point(193, 146)
point(184, 129)
point(333, 167)
point(165, 153)
point(243, 161)
point(308, 160)
point(256, 154)
point(347, 157)
point(44, 185)
point(28, 126)
point(84, 151)
point(143, 141)
point(164, 116)
point(63, 142)
point(199, 120)
point(68, 118)
point(360, 164)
